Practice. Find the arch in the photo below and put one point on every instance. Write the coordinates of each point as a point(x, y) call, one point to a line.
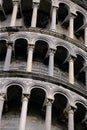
point(20, 35)
point(18, 83)
point(67, 47)
point(62, 92)
point(67, 3)
point(81, 10)
point(43, 38)
point(78, 52)
point(80, 101)
point(4, 37)
point(38, 86)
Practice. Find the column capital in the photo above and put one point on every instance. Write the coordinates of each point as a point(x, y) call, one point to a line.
point(52, 51)
point(2, 96)
point(15, 1)
point(36, 1)
point(55, 6)
point(49, 102)
point(73, 15)
point(36, 4)
point(25, 96)
point(9, 43)
point(70, 108)
point(31, 46)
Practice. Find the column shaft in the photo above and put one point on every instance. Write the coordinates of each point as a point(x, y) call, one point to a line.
point(30, 58)
point(71, 70)
point(48, 115)
point(51, 62)
point(71, 26)
point(23, 114)
point(1, 106)
point(8, 58)
point(14, 14)
point(71, 119)
point(34, 15)
point(85, 36)
point(53, 22)
point(86, 79)
point(1, 2)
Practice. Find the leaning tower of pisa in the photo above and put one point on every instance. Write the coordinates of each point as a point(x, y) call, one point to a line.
point(43, 65)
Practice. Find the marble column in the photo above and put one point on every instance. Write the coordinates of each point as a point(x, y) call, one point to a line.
point(71, 26)
point(86, 79)
point(34, 15)
point(51, 61)
point(14, 12)
point(30, 58)
point(71, 70)
point(8, 57)
point(85, 36)
point(1, 2)
point(24, 112)
point(71, 118)
point(48, 114)
point(1, 107)
point(53, 22)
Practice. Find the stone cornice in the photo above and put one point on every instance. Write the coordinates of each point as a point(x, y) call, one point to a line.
point(48, 32)
point(57, 81)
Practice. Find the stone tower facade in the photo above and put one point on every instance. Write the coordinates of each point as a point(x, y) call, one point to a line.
point(43, 65)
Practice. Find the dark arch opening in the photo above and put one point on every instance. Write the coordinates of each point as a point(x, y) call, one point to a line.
point(3, 49)
point(20, 49)
point(43, 16)
point(78, 22)
point(59, 105)
point(26, 9)
point(79, 117)
point(78, 66)
point(13, 102)
point(41, 48)
point(62, 12)
point(60, 57)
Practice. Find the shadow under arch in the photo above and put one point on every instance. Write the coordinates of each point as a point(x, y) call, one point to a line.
point(79, 116)
point(59, 104)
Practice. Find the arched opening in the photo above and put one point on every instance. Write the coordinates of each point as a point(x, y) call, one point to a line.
point(79, 117)
point(40, 57)
point(62, 13)
point(78, 22)
point(43, 17)
point(35, 118)
point(6, 5)
point(78, 65)
point(19, 54)
point(60, 58)
point(12, 107)
point(3, 49)
point(26, 10)
point(59, 104)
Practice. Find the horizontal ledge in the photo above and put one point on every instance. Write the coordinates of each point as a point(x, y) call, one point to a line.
point(45, 78)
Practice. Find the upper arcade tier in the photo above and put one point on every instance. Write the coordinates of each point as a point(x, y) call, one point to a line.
point(63, 16)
